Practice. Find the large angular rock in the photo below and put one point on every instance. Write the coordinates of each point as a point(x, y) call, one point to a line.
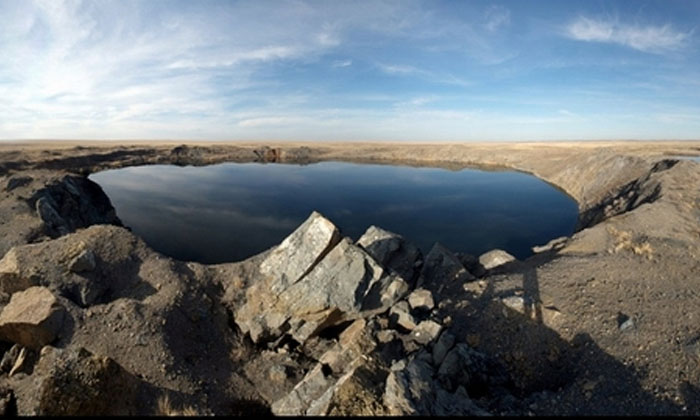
point(443, 272)
point(288, 263)
point(32, 319)
point(345, 284)
point(353, 343)
point(495, 258)
point(300, 251)
point(306, 392)
point(336, 367)
point(411, 390)
point(71, 203)
point(85, 267)
point(392, 251)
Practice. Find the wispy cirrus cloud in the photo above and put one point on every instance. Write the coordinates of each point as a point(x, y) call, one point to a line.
point(496, 17)
point(647, 38)
point(342, 63)
point(425, 74)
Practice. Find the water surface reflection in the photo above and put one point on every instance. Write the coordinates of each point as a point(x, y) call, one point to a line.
point(231, 211)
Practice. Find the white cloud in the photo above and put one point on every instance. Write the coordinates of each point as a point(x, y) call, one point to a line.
point(400, 69)
point(427, 75)
point(496, 18)
point(342, 63)
point(272, 121)
point(649, 38)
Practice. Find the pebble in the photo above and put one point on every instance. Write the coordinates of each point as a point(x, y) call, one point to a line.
point(627, 325)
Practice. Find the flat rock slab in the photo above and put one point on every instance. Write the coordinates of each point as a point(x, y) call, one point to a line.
point(32, 319)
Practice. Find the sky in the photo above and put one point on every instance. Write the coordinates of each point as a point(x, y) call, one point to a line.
point(350, 70)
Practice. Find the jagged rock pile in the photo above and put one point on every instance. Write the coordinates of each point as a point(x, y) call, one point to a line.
point(95, 322)
point(366, 314)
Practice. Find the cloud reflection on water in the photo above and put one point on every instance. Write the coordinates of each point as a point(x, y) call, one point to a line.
point(228, 212)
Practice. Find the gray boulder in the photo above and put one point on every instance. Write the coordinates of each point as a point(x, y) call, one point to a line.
point(315, 287)
point(284, 266)
point(442, 272)
point(299, 252)
point(314, 394)
point(392, 251)
point(411, 390)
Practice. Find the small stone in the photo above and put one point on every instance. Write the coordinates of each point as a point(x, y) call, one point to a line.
point(16, 182)
point(552, 245)
point(19, 362)
point(84, 261)
point(386, 336)
point(516, 303)
point(426, 331)
point(401, 316)
point(10, 357)
point(627, 325)
point(495, 258)
point(624, 322)
point(589, 385)
point(421, 299)
point(277, 373)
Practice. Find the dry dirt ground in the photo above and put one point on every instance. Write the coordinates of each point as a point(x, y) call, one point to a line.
point(608, 322)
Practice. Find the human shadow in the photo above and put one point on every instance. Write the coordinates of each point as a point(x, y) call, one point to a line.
point(549, 374)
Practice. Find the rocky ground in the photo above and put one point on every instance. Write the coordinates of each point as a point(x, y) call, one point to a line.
point(93, 321)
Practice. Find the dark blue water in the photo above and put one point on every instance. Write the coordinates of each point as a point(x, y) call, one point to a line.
point(229, 212)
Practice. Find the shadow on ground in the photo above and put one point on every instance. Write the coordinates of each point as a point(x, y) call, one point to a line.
point(551, 375)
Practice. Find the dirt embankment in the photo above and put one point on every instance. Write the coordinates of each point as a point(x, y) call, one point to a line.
point(605, 322)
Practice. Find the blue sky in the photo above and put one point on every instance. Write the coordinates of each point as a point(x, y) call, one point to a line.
point(350, 70)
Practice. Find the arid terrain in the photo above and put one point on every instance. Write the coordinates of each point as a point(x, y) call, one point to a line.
point(93, 321)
